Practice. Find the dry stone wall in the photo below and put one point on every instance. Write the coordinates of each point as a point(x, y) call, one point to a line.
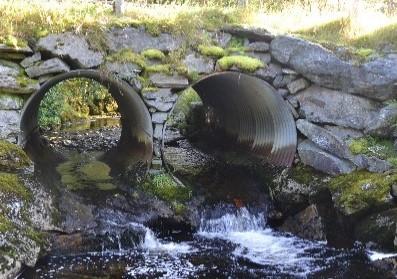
point(333, 100)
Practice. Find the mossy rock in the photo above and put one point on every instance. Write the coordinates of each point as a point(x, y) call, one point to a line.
point(244, 63)
point(12, 157)
point(161, 68)
point(154, 54)
point(379, 228)
point(12, 186)
point(127, 56)
point(212, 51)
point(360, 191)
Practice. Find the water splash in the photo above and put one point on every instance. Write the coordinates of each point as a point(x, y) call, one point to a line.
point(152, 243)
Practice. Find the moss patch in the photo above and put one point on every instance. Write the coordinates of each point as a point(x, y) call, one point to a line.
point(127, 56)
point(163, 68)
point(165, 188)
point(12, 157)
point(5, 224)
point(153, 54)
point(244, 63)
point(212, 51)
point(376, 147)
point(11, 185)
point(361, 190)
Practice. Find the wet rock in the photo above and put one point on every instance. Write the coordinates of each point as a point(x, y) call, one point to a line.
point(31, 60)
point(159, 117)
point(378, 228)
point(137, 39)
point(10, 102)
point(73, 48)
point(166, 81)
point(297, 85)
point(389, 265)
point(383, 124)
point(9, 125)
point(306, 224)
point(258, 47)
point(310, 154)
point(199, 64)
point(325, 106)
point(252, 34)
point(18, 85)
point(375, 79)
point(269, 73)
point(125, 71)
point(324, 139)
point(51, 66)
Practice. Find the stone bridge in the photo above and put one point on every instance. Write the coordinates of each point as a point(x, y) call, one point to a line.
point(297, 84)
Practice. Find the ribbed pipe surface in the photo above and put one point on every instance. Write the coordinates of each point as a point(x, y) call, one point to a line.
point(253, 113)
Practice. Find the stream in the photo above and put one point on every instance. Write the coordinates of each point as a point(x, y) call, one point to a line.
point(230, 242)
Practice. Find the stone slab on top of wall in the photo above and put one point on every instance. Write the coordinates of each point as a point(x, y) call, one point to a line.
point(375, 79)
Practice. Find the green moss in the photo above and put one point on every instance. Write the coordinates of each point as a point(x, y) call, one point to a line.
point(361, 190)
point(364, 53)
point(11, 185)
point(149, 90)
point(244, 63)
point(12, 157)
point(5, 224)
point(213, 51)
point(302, 174)
point(165, 188)
point(13, 41)
point(380, 148)
point(127, 56)
point(153, 54)
point(162, 68)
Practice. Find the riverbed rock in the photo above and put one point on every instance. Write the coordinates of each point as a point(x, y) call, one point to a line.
point(326, 106)
point(18, 85)
point(199, 64)
point(48, 67)
point(166, 81)
point(73, 48)
point(310, 154)
point(378, 228)
point(10, 102)
point(137, 39)
point(384, 124)
point(375, 79)
point(307, 224)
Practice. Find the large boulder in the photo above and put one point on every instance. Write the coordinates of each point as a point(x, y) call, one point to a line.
point(375, 79)
point(73, 48)
point(326, 106)
point(137, 39)
point(310, 154)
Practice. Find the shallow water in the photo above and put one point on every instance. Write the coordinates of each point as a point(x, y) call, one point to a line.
point(237, 245)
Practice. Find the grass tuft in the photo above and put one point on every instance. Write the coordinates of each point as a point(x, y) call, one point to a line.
point(244, 63)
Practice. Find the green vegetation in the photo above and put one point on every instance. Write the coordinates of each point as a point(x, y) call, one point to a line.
point(12, 157)
point(212, 51)
point(153, 54)
point(75, 99)
point(11, 185)
point(80, 174)
point(361, 190)
point(376, 147)
point(127, 56)
point(164, 187)
point(5, 224)
point(161, 68)
point(303, 174)
point(244, 63)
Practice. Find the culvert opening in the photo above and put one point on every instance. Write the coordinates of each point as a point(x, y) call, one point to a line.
point(128, 153)
point(225, 131)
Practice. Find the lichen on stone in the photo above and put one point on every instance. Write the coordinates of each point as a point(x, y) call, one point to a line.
point(244, 63)
point(359, 191)
point(12, 157)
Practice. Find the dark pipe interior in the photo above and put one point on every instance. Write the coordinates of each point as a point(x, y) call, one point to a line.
point(252, 114)
point(135, 145)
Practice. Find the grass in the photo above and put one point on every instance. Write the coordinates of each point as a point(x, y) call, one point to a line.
point(325, 21)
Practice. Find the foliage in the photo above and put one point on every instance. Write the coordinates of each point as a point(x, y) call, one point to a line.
point(361, 190)
point(380, 148)
point(164, 187)
point(244, 63)
point(74, 99)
